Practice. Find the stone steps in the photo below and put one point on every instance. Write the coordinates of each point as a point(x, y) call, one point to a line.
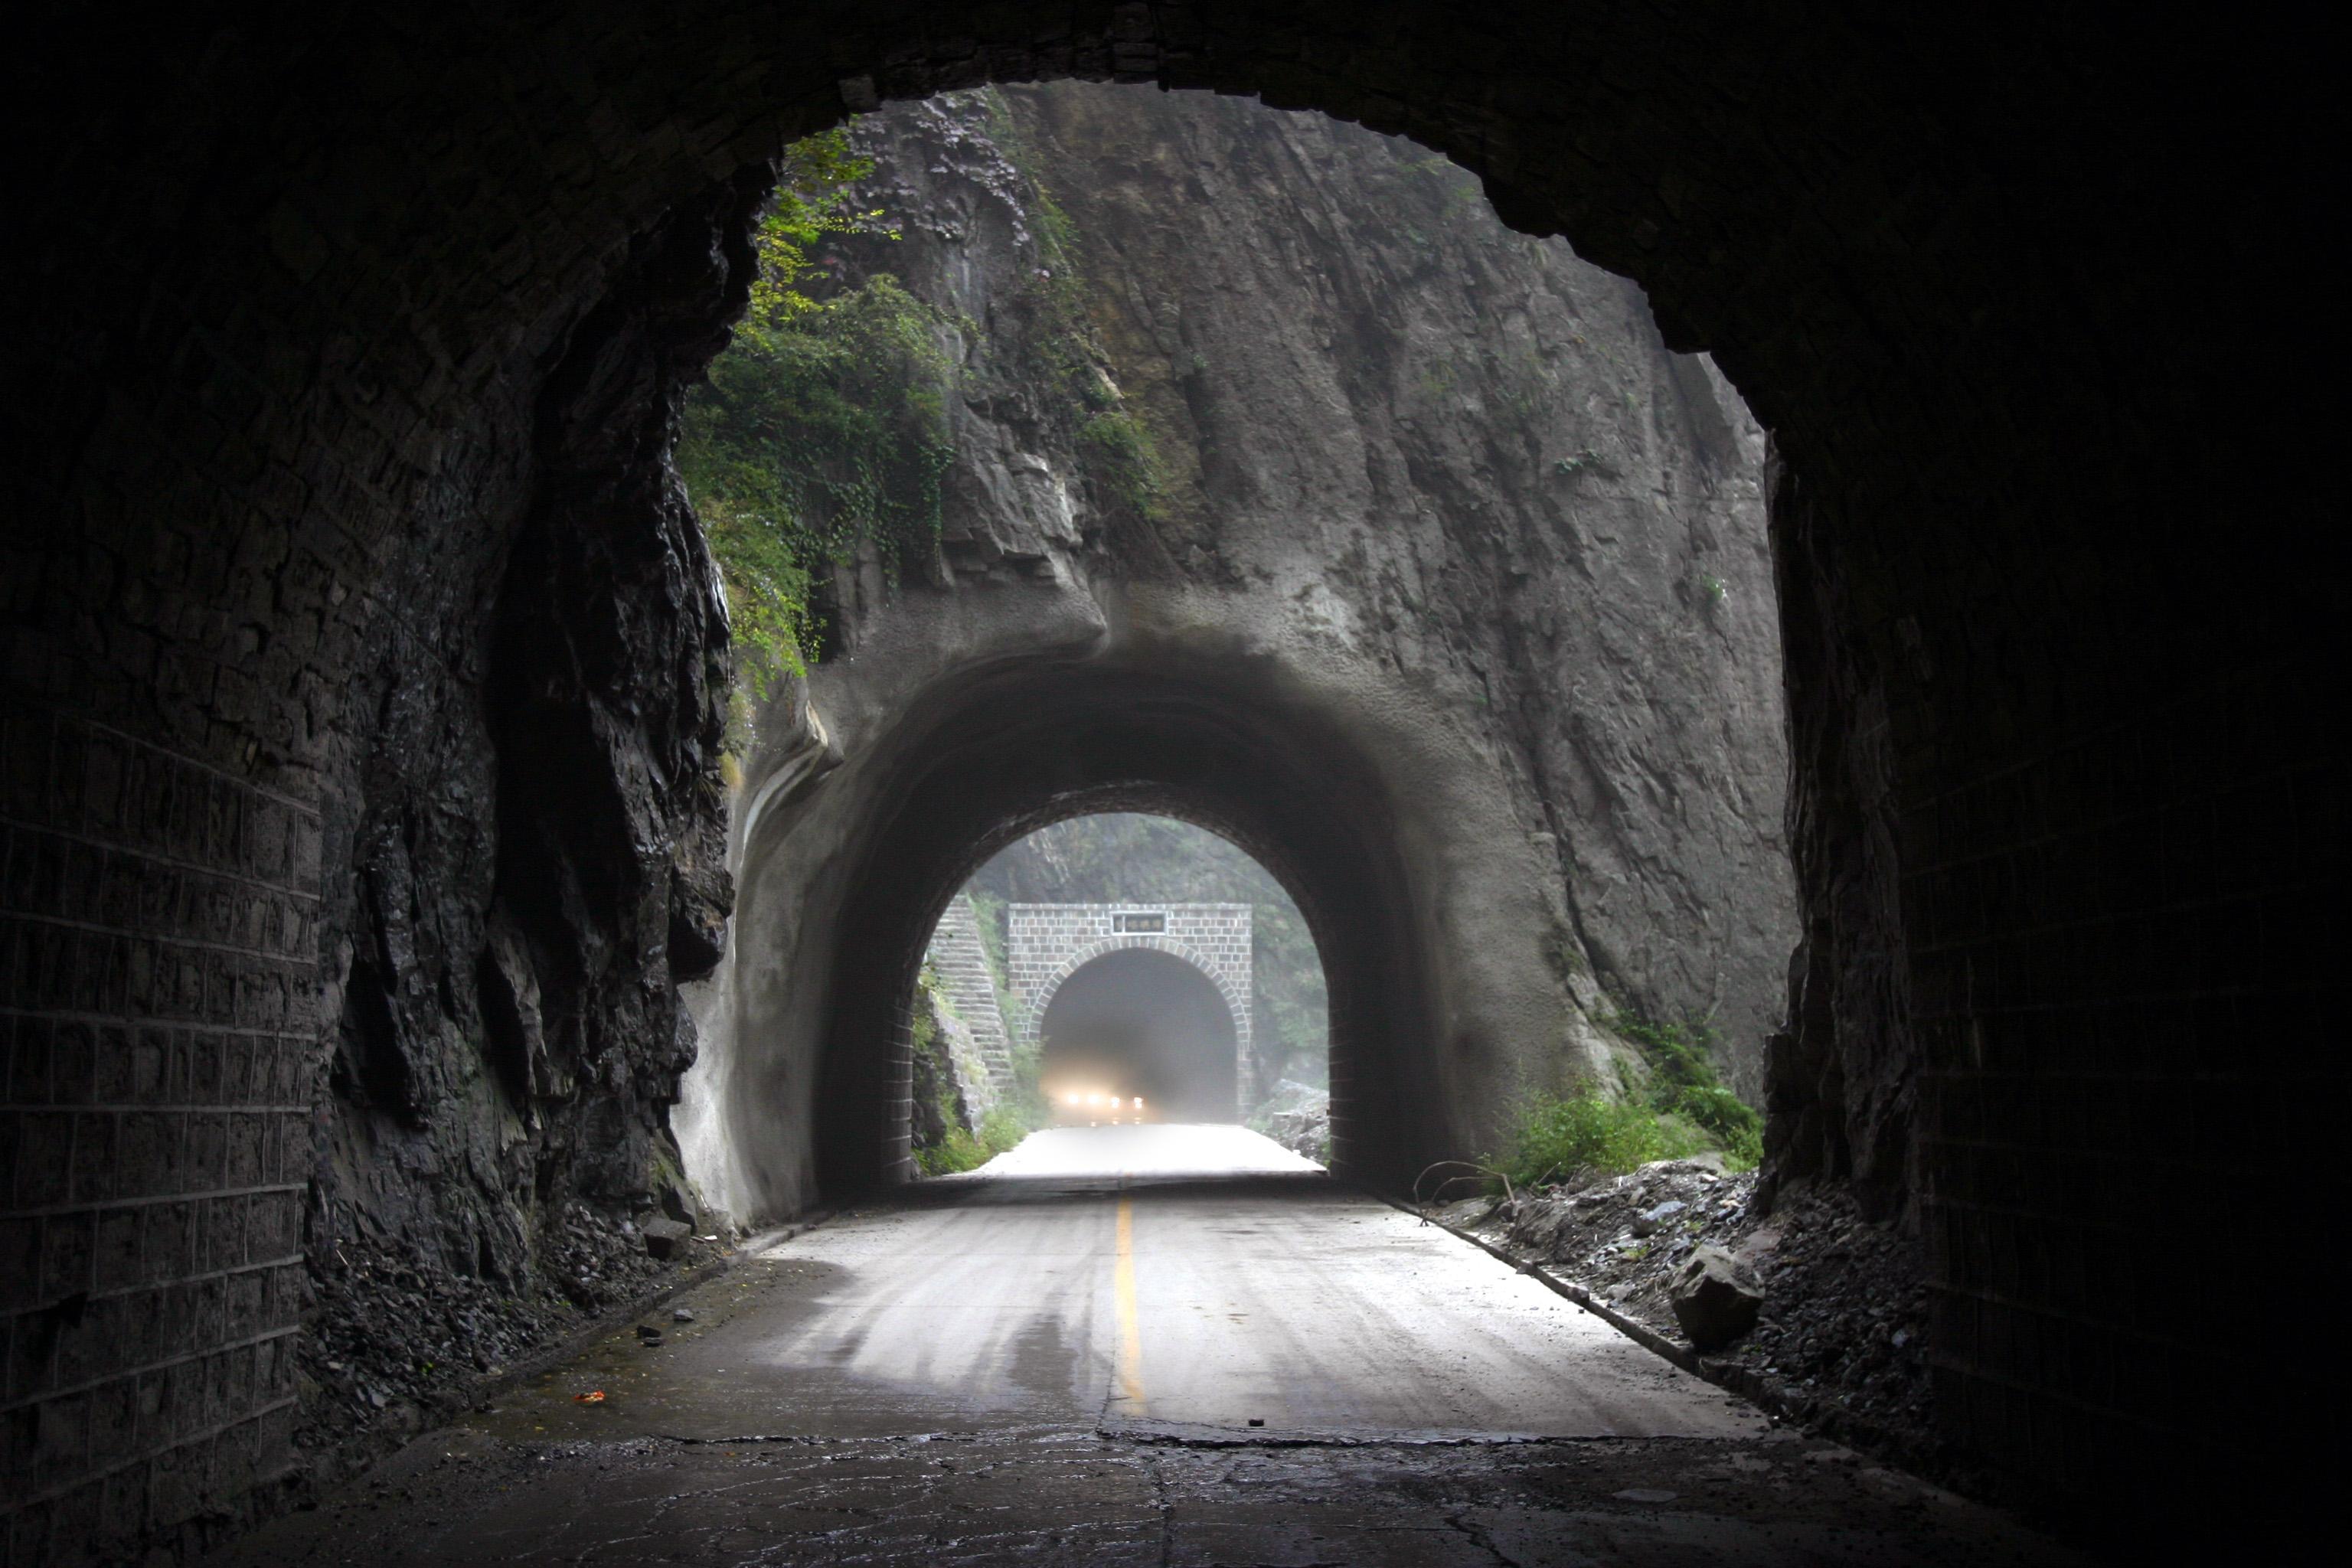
point(960, 962)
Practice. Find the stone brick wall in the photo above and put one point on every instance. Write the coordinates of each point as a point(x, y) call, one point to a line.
point(1047, 943)
point(159, 1019)
point(2082, 1141)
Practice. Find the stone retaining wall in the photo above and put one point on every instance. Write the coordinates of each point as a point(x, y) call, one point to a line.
point(1047, 943)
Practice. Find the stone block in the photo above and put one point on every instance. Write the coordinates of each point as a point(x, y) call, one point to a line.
point(68, 1243)
point(20, 1262)
point(61, 1439)
point(666, 1238)
point(119, 1258)
point(95, 1170)
point(1715, 1299)
point(175, 1482)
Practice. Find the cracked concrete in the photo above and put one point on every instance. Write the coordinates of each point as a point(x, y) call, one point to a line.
point(1058, 1494)
point(1071, 1368)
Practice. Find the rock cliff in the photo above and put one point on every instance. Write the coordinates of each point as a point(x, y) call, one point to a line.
point(1261, 392)
point(530, 857)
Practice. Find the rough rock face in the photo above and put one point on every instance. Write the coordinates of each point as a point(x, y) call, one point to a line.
point(1714, 1298)
point(1299, 1117)
point(1469, 455)
point(971, 1020)
point(1842, 1090)
point(1438, 483)
point(534, 851)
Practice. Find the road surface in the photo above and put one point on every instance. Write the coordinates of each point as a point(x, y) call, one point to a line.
point(1154, 1344)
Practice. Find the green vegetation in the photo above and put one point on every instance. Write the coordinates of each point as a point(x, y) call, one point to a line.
point(823, 426)
point(1683, 1083)
point(1117, 450)
point(1063, 358)
point(1683, 1109)
point(1000, 1130)
point(1588, 1131)
point(1028, 1099)
point(1583, 462)
point(823, 430)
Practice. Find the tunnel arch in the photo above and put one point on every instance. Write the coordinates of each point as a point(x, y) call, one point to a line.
point(1184, 954)
point(1214, 1095)
point(1959, 309)
point(1190, 955)
point(991, 758)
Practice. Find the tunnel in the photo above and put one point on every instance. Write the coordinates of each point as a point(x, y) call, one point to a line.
point(348, 532)
point(1144, 1026)
point(987, 759)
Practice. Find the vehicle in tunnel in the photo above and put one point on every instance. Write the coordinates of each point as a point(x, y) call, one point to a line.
point(1097, 1108)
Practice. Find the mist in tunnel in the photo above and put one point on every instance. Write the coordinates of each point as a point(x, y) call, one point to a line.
point(1126, 953)
point(1140, 1022)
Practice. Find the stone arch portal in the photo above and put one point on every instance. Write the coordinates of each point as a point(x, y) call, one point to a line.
point(1047, 944)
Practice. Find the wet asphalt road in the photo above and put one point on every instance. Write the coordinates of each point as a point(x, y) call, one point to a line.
point(1131, 1344)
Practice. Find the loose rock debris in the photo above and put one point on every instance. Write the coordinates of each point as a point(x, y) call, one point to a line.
point(398, 1340)
point(1837, 1338)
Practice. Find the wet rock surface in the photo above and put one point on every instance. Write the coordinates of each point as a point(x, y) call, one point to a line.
point(529, 860)
point(1299, 1117)
point(1839, 1340)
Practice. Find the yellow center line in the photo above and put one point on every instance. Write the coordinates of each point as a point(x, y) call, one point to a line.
point(1130, 1330)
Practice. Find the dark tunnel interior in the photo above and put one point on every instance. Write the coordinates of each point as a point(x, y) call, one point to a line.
point(981, 765)
point(1141, 1024)
point(344, 366)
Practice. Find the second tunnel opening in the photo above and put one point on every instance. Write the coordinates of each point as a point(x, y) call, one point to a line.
point(1135, 1031)
point(1116, 968)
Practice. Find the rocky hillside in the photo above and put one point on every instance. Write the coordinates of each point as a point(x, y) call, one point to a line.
point(528, 861)
point(1461, 449)
point(1277, 403)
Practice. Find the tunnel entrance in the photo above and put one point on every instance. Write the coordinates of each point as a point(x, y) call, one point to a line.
point(1119, 612)
point(1145, 1028)
point(1121, 956)
point(2037, 716)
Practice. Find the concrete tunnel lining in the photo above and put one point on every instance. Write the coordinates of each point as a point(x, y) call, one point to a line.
point(981, 761)
point(1062, 742)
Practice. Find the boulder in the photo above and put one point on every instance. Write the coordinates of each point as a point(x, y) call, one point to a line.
point(666, 1238)
point(1647, 1222)
point(1715, 1299)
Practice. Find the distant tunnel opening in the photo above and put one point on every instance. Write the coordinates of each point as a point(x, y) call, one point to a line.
point(1140, 1023)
